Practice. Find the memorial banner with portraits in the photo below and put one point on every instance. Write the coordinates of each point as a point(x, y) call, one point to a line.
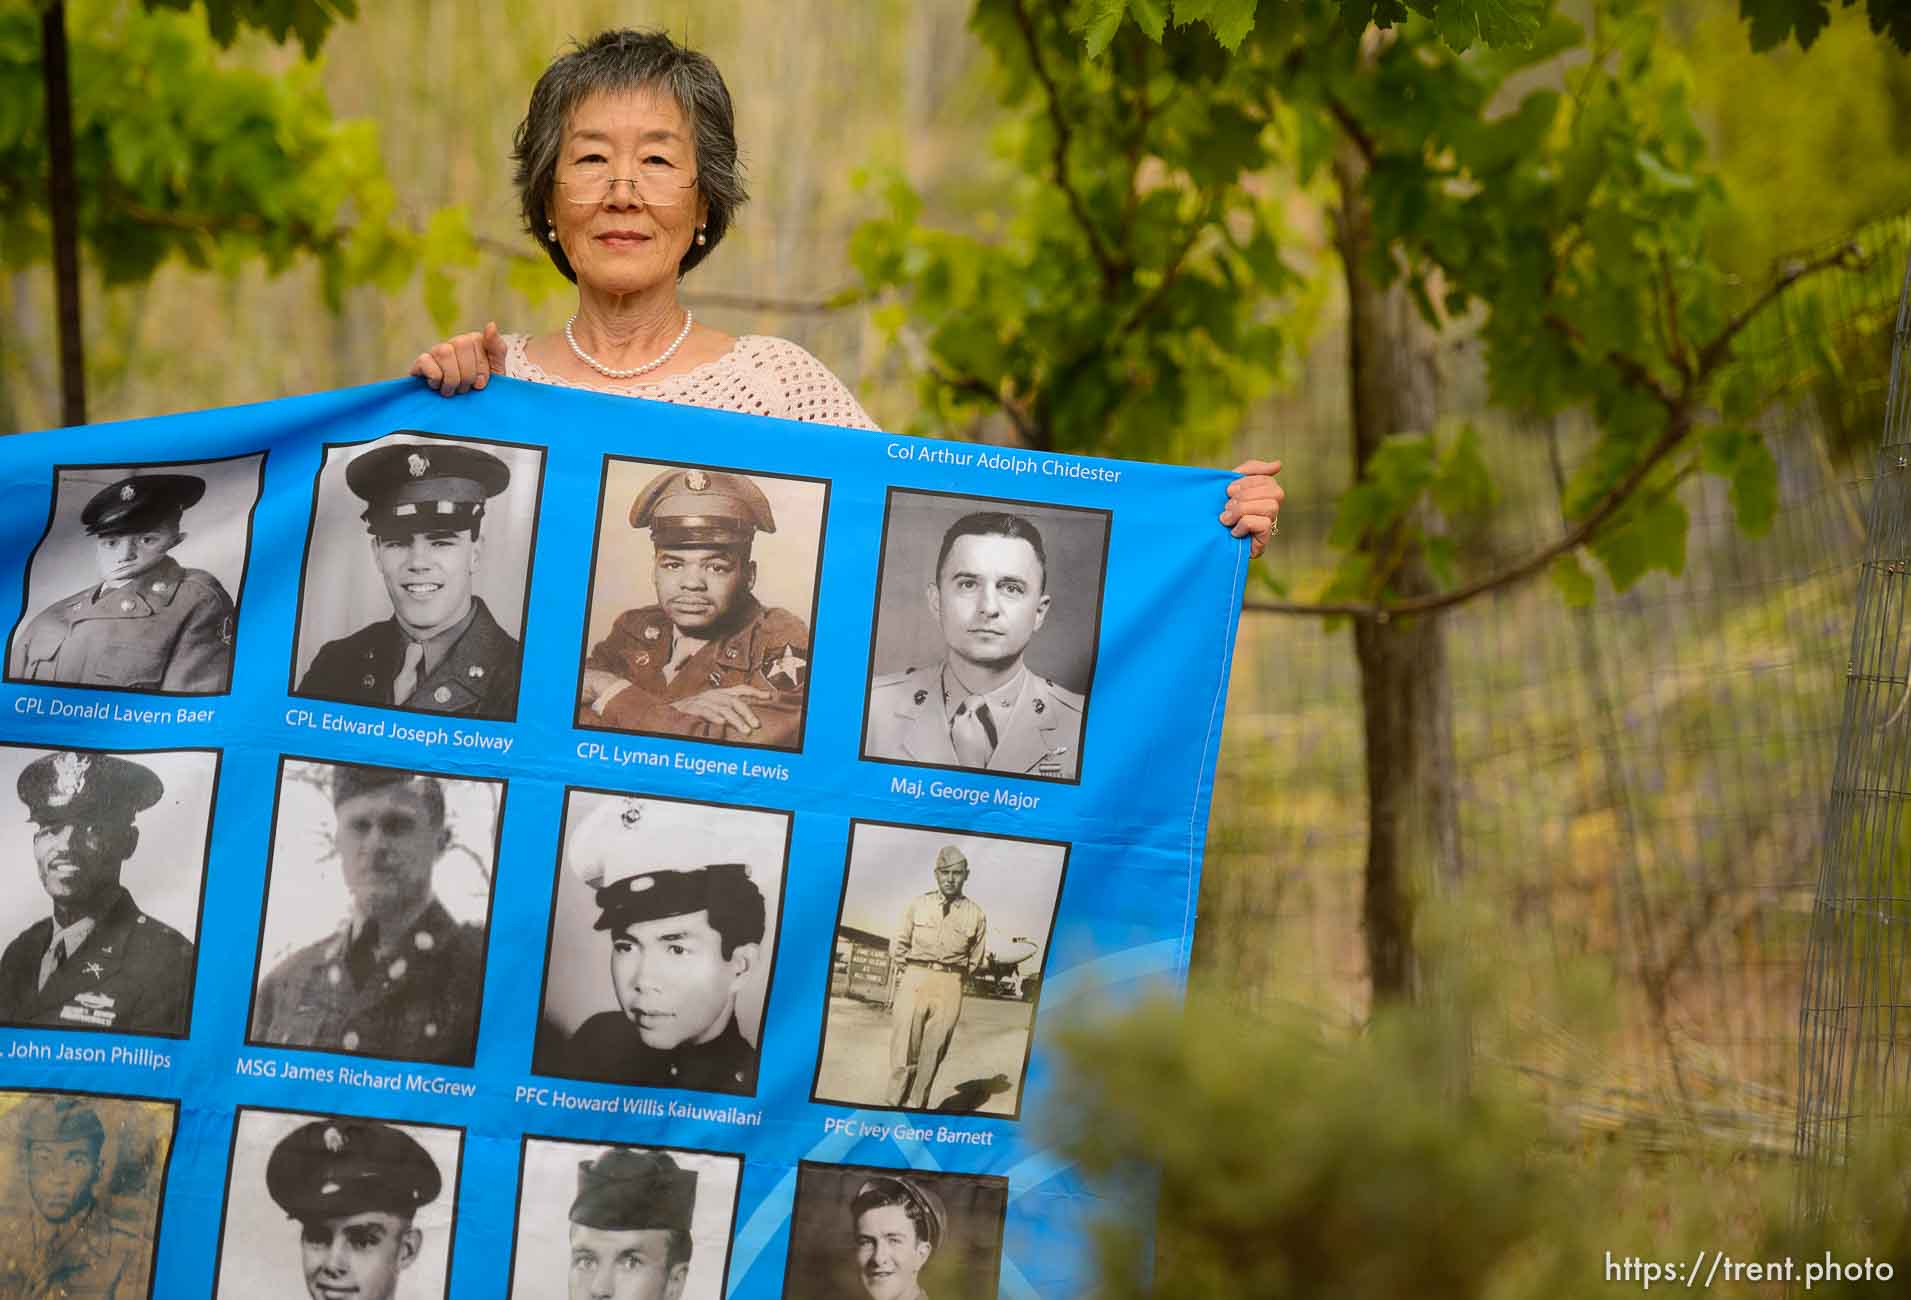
point(545, 844)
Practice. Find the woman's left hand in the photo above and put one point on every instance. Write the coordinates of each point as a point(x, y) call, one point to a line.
point(1254, 503)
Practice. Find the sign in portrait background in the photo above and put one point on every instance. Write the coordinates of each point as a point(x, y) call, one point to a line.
point(1118, 844)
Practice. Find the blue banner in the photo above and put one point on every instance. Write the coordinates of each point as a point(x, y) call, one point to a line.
point(542, 843)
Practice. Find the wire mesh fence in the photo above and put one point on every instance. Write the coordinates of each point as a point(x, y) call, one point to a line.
point(1642, 782)
point(1854, 1055)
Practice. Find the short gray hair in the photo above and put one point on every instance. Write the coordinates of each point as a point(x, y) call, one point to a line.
point(626, 60)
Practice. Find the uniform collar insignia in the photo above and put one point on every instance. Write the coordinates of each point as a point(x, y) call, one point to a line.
point(416, 464)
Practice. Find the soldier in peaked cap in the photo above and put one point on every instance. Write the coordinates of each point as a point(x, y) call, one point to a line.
point(708, 660)
point(98, 962)
point(68, 1244)
point(441, 651)
point(898, 1224)
point(630, 1226)
point(684, 934)
point(150, 623)
point(353, 1186)
point(942, 940)
point(980, 706)
point(399, 976)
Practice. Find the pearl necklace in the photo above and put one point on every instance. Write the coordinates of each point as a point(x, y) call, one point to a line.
point(634, 371)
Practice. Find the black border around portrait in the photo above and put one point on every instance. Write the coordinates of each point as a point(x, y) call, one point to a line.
point(590, 590)
point(238, 596)
point(530, 569)
point(166, 1167)
point(199, 916)
point(1034, 1007)
point(550, 933)
point(517, 1202)
point(1094, 649)
point(265, 905)
point(882, 1171)
point(455, 1183)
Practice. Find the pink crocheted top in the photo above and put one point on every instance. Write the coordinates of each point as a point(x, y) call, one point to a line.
point(760, 375)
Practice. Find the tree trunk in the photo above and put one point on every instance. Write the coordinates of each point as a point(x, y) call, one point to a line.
point(1413, 830)
point(63, 201)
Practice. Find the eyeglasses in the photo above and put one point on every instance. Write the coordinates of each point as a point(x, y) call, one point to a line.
point(656, 185)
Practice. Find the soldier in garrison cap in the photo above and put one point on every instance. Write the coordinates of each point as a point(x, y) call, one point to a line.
point(441, 651)
point(682, 939)
point(708, 660)
point(67, 1244)
point(98, 962)
point(150, 623)
point(353, 1186)
point(942, 939)
point(898, 1223)
point(979, 706)
point(399, 977)
point(630, 1226)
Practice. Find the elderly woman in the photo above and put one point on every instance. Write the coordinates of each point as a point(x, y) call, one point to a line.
point(627, 175)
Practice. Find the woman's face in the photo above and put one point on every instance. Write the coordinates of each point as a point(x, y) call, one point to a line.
point(621, 244)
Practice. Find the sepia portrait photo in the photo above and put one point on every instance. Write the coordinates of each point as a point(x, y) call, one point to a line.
point(83, 1177)
point(337, 1205)
point(988, 615)
point(377, 909)
point(135, 585)
point(623, 1221)
point(861, 1233)
point(417, 574)
point(703, 595)
point(941, 943)
point(104, 933)
point(663, 942)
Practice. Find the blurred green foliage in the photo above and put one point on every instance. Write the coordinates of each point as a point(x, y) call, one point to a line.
point(184, 152)
point(1550, 193)
point(1294, 1163)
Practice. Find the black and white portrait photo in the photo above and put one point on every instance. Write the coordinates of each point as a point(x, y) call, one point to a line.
point(103, 933)
point(861, 1233)
point(417, 575)
point(377, 907)
point(600, 1222)
point(663, 940)
point(988, 613)
point(941, 944)
point(703, 593)
point(83, 1178)
point(136, 584)
point(338, 1205)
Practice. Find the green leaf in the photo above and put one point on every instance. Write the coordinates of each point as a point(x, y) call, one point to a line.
point(1151, 16)
point(1575, 586)
point(1229, 20)
point(1772, 21)
point(1097, 22)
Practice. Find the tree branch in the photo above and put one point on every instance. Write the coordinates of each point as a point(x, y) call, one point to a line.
point(1110, 272)
point(1714, 353)
point(1344, 117)
point(1630, 368)
point(1616, 497)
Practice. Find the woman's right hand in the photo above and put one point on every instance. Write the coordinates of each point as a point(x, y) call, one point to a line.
point(462, 363)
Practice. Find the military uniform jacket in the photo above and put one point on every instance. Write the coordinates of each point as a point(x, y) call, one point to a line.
point(909, 720)
point(607, 1048)
point(421, 1002)
point(952, 936)
point(133, 974)
point(170, 629)
point(95, 1259)
point(768, 649)
point(477, 678)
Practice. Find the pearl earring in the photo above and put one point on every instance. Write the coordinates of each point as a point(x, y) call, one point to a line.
point(550, 234)
point(701, 237)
